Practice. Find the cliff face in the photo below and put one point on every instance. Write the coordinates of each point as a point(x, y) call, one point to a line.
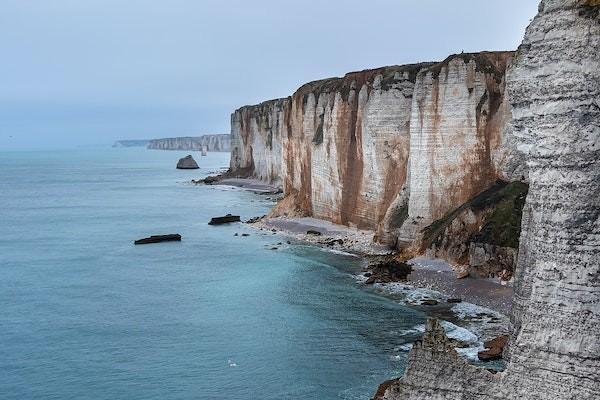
point(385, 148)
point(257, 134)
point(458, 116)
point(346, 152)
point(554, 351)
point(482, 233)
point(214, 143)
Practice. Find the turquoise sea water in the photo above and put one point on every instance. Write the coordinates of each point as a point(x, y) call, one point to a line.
point(85, 314)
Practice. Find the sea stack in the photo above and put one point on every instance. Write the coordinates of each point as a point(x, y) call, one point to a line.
point(187, 162)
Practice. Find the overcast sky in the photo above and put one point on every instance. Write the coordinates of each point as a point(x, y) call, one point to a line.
point(80, 72)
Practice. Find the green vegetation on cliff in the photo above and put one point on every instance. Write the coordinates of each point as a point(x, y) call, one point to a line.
point(503, 203)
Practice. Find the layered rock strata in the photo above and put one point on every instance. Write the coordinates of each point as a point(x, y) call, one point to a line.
point(257, 134)
point(195, 143)
point(554, 351)
point(385, 148)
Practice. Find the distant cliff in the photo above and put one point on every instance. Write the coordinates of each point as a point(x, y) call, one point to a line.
point(130, 143)
point(214, 143)
point(392, 149)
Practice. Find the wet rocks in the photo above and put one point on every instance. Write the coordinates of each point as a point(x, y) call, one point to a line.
point(333, 242)
point(174, 237)
point(255, 219)
point(493, 350)
point(499, 342)
point(211, 179)
point(388, 270)
point(429, 302)
point(453, 300)
point(224, 220)
point(313, 232)
point(187, 162)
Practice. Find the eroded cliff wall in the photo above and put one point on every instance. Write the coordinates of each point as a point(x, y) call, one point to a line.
point(257, 134)
point(385, 148)
point(554, 350)
point(346, 152)
point(458, 115)
point(219, 142)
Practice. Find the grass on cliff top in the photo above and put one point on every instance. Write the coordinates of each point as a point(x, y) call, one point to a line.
point(504, 202)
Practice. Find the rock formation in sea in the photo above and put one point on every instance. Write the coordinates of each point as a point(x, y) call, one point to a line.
point(213, 142)
point(554, 350)
point(393, 150)
point(187, 162)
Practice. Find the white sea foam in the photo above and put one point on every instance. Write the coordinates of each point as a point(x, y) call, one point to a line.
point(470, 353)
point(458, 333)
point(405, 347)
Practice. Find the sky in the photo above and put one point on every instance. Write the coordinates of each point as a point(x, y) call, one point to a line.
point(89, 72)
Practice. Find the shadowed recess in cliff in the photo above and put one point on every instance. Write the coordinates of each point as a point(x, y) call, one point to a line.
point(502, 205)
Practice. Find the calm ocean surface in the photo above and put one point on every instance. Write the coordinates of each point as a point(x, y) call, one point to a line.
point(85, 314)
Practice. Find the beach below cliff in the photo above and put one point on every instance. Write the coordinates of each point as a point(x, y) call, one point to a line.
point(474, 309)
point(427, 273)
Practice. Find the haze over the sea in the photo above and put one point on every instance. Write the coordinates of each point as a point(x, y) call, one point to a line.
point(83, 73)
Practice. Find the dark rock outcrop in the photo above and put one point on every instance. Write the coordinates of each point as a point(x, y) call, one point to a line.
point(494, 349)
point(187, 162)
point(224, 220)
point(174, 237)
point(387, 270)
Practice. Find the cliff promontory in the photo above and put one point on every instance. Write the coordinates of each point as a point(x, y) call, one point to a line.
point(554, 350)
point(392, 149)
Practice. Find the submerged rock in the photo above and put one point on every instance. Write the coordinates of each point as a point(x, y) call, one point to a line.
point(224, 220)
point(187, 162)
point(159, 238)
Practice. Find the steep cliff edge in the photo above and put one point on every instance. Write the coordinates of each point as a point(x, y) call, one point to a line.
point(483, 233)
point(257, 134)
point(554, 351)
point(219, 142)
point(458, 116)
point(378, 147)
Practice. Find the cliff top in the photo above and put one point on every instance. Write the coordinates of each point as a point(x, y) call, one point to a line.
point(264, 104)
point(493, 62)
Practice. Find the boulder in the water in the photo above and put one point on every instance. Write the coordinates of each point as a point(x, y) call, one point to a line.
point(174, 237)
point(494, 349)
point(187, 162)
point(224, 220)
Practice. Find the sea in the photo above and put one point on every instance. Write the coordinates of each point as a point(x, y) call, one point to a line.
point(86, 314)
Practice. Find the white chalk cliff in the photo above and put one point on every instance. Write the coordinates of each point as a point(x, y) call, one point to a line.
point(554, 350)
point(391, 149)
